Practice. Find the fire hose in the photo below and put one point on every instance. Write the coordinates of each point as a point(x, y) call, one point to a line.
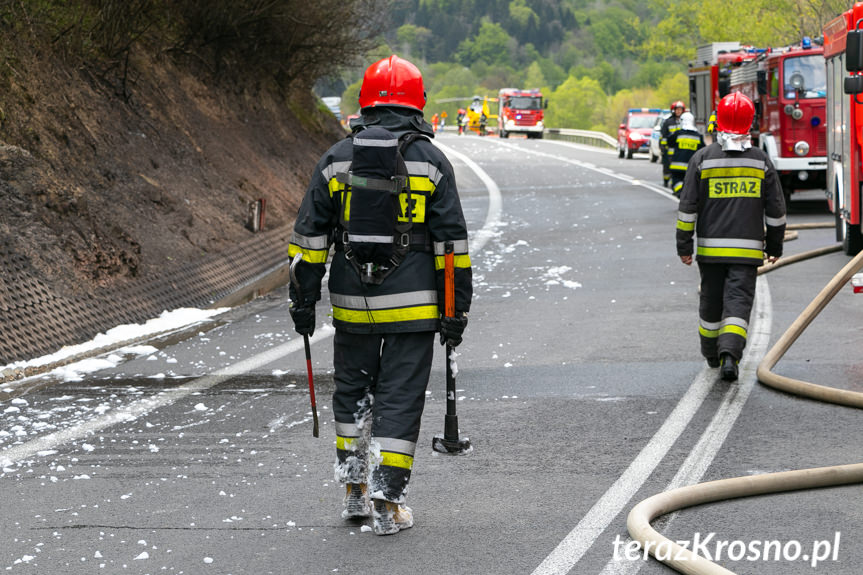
point(685, 561)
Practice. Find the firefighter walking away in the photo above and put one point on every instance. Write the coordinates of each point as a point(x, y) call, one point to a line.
point(669, 125)
point(386, 200)
point(731, 190)
point(682, 145)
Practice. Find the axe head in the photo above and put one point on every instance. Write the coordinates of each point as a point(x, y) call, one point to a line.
point(456, 446)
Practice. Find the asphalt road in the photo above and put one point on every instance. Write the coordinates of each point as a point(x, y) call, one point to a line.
point(581, 389)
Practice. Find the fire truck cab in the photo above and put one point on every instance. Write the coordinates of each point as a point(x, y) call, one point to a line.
point(788, 86)
point(520, 112)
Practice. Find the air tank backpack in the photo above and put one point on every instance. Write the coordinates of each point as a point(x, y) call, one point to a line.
point(374, 239)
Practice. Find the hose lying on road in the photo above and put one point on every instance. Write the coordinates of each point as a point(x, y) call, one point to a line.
point(798, 258)
point(683, 560)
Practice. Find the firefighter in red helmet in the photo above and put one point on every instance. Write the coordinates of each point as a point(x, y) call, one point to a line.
point(386, 289)
point(670, 125)
point(731, 190)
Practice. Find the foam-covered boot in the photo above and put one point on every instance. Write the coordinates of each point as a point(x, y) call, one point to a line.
point(391, 518)
point(357, 502)
point(728, 369)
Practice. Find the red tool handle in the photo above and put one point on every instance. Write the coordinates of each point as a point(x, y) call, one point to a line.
point(449, 280)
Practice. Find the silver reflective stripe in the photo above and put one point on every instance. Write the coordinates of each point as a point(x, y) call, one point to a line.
point(775, 221)
point(426, 169)
point(458, 246)
point(709, 325)
point(412, 298)
point(310, 242)
point(733, 163)
point(329, 172)
point(347, 429)
point(357, 238)
point(738, 321)
point(376, 143)
point(680, 165)
point(730, 243)
point(396, 445)
point(684, 217)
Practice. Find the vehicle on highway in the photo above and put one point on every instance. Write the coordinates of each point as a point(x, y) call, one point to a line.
point(788, 86)
point(520, 112)
point(842, 41)
point(633, 134)
point(656, 135)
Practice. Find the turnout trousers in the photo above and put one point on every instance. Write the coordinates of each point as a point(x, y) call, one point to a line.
point(727, 292)
point(380, 386)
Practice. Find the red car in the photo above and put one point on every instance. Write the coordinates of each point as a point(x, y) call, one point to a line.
point(633, 134)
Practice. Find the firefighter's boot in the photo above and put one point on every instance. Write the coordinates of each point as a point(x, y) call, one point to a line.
point(728, 369)
point(391, 518)
point(357, 504)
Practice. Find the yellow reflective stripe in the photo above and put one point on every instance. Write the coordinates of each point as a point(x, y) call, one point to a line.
point(346, 443)
point(396, 460)
point(733, 329)
point(460, 261)
point(386, 315)
point(731, 173)
point(421, 184)
point(311, 256)
point(685, 226)
point(711, 333)
point(730, 253)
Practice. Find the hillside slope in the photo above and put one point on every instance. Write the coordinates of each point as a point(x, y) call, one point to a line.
point(107, 181)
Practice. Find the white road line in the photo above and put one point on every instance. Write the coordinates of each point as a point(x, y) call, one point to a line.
point(703, 453)
point(21, 452)
point(142, 406)
point(495, 203)
point(599, 517)
point(582, 537)
point(604, 171)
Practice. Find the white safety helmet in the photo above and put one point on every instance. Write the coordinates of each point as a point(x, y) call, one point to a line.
point(687, 121)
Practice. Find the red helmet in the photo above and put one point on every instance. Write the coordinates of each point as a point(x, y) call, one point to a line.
point(734, 114)
point(678, 104)
point(393, 82)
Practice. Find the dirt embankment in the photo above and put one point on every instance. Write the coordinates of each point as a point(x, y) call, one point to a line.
point(107, 180)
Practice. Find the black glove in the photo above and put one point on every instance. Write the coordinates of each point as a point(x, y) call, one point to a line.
point(304, 319)
point(452, 328)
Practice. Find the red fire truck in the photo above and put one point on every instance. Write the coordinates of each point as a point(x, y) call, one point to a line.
point(709, 76)
point(789, 86)
point(843, 52)
point(520, 112)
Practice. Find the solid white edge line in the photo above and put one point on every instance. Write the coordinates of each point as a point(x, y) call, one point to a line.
point(582, 537)
point(605, 171)
point(20, 452)
point(705, 450)
point(143, 406)
point(495, 202)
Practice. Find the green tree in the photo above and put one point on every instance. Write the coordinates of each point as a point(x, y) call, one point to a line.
point(414, 38)
point(534, 78)
point(492, 45)
point(577, 103)
point(522, 15)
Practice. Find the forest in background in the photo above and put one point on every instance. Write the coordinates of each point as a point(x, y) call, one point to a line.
point(591, 59)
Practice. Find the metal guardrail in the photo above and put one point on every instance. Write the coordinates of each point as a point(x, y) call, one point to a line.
point(598, 139)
